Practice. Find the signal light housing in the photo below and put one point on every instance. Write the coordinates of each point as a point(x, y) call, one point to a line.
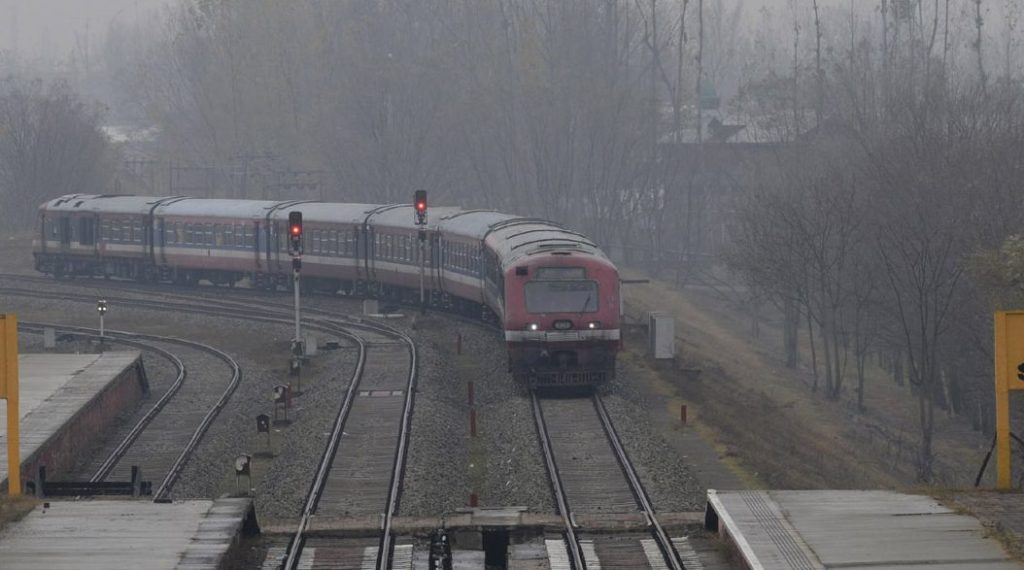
point(295, 232)
point(419, 201)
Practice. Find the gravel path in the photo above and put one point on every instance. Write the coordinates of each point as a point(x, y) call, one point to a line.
point(665, 475)
point(503, 464)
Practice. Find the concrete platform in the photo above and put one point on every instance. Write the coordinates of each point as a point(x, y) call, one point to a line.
point(87, 535)
point(881, 530)
point(65, 400)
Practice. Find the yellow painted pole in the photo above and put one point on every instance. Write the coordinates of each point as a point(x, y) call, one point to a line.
point(9, 391)
point(1002, 404)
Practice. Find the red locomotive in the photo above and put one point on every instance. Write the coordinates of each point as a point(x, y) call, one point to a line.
point(553, 290)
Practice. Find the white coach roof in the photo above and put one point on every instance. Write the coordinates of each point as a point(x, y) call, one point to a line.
point(216, 207)
point(108, 203)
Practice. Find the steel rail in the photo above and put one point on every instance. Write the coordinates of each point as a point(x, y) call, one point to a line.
point(162, 492)
point(182, 372)
point(326, 321)
point(668, 551)
point(170, 291)
point(386, 542)
point(394, 490)
point(317, 486)
point(572, 541)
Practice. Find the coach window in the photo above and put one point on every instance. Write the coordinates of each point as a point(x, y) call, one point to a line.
point(247, 236)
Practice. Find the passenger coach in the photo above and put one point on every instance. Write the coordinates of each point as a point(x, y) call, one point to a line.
point(553, 290)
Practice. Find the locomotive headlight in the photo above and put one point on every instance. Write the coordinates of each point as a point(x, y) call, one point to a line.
point(532, 327)
point(594, 325)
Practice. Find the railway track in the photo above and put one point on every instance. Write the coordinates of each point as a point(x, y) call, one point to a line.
point(163, 439)
point(590, 472)
point(363, 474)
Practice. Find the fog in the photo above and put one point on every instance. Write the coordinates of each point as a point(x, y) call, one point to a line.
point(848, 172)
point(50, 30)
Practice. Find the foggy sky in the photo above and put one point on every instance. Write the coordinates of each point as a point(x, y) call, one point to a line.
point(50, 29)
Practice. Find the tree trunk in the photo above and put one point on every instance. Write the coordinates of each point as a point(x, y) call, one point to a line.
point(790, 330)
point(814, 351)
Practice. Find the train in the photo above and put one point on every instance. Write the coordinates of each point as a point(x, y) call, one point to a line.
point(553, 291)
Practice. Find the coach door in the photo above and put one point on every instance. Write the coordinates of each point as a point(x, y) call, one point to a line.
point(255, 241)
point(64, 232)
point(371, 252)
point(162, 228)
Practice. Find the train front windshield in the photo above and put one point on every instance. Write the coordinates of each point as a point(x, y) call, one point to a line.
point(561, 297)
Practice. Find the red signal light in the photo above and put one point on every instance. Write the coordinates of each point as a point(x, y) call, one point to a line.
point(419, 201)
point(295, 232)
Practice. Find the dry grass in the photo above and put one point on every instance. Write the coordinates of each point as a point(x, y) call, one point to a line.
point(13, 509)
point(766, 416)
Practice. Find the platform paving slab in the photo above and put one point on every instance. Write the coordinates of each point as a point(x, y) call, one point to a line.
point(810, 530)
point(53, 391)
point(88, 535)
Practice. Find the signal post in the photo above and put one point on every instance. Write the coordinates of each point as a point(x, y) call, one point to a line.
point(295, 249)
point(420, 203)
point(1009, 368)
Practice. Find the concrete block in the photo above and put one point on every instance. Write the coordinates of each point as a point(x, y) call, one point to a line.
point(661, 332)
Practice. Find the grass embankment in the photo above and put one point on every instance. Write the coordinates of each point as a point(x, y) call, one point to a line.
point(766, 415)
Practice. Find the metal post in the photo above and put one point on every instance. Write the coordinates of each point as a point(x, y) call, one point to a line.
point(295, 279)
point(101, 308)
point(423, 271)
